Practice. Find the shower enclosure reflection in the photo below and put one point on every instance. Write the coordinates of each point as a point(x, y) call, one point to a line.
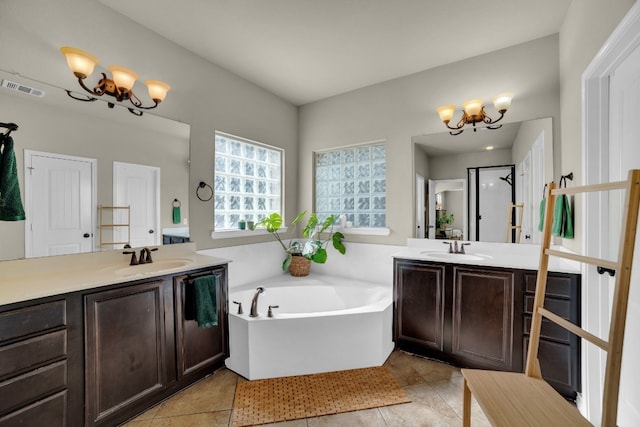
point(491, 192)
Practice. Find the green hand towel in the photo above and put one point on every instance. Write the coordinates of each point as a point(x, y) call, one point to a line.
point(176, 215)
point(205, 301)
point(558, 216)
point(10, 201)
point(567, 230)
point(543, 204)
point(562, 218)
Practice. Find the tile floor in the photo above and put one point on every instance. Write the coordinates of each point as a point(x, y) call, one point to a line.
point(434, 388)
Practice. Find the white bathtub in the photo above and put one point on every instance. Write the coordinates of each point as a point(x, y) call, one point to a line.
point(323, 324)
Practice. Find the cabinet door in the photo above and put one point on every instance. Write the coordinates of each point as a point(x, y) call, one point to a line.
point(482, 318)
point(126, 352)
point(200, 348)
point(419, 304)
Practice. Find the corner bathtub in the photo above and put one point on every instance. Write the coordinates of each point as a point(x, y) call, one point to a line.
point(323, 324)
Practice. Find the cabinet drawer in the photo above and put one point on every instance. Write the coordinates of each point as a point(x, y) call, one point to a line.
point(558, 306)
point(557, 286)
point(558, 366)
point(29, 320)
point(549, 330)
point(33, 385)
point(32, 352)
point(50, 412)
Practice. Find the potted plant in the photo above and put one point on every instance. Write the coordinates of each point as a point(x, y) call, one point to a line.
point(312, 248)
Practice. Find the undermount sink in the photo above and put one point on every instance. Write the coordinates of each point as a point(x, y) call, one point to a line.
point(455, 257)
point(151, 268)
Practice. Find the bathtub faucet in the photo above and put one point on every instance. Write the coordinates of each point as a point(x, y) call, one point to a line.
point(254, 302)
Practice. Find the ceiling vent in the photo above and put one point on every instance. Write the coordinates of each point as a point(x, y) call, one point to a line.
point(23, 88)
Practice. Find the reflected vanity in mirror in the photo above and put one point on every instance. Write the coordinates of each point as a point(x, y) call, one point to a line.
point(75, 157)
point(444, 159)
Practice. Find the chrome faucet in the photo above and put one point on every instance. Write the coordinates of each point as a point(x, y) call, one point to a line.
point(254, 302)
point(454, 248)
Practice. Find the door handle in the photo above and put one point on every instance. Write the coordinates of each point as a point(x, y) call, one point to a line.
point(150, 231)
point(86, 235)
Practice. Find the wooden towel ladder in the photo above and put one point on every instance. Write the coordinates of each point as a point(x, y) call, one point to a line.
point(516, 399)
point(518, 226)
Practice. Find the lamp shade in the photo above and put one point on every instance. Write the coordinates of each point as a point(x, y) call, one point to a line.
point(80, 62)
point(472, 107)
point(157, 89)
point(502, 102)
point(446, 112)
point(123, 77)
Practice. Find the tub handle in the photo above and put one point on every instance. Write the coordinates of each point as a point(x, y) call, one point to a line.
point(239, 307)
point(270, 312)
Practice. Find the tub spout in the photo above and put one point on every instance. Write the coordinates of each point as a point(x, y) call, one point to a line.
point(254, 302)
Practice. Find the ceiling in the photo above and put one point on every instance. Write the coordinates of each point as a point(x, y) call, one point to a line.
point(307, 50)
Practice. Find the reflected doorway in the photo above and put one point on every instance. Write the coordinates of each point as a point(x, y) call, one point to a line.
point(491, 191)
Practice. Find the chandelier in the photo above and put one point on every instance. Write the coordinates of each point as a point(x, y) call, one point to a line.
point(120, 86)
point(473, 112)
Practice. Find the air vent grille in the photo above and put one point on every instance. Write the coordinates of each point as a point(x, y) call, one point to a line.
point(23, 88)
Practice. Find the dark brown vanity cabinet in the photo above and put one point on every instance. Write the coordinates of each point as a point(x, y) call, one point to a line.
point(482, 318)
point(559, 353)
point(140, 349)
point(479, 317)
point(128, 351)
point(199, 349)
point(420, 306)
point(39, 364)
point(460, 315)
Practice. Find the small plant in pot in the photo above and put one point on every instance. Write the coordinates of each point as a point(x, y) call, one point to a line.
point(312, 248)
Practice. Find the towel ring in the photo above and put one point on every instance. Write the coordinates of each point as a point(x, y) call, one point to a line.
point(176, 203)
point(200, 187)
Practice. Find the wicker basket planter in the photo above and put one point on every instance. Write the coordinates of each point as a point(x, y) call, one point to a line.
point(299, 266)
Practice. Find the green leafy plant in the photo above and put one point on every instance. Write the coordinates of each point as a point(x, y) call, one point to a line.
point(448, 219)
point(313, 247)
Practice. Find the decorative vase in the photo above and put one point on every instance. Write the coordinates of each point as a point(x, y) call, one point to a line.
point(299, 266)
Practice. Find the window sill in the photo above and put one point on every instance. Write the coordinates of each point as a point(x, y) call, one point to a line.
point(364, 231)
point(233, 234)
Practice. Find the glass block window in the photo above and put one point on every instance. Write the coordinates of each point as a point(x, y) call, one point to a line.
point(247, 181)
point(353, 181)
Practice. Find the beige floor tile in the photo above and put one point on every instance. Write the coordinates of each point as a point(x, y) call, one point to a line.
point(147, 415)
point(214, 393)
point(138, 423)
point(432, 370)
point(207, 419)
point(366, 418)
point(426, 409)
point(451, 392)
point(399, 364)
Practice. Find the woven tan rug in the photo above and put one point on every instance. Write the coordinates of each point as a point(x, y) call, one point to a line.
point(290, 398)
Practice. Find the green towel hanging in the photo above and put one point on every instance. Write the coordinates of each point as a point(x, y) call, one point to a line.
point(10, 200)
point(543, 204)
point(176, 211)
point(205, 301)
point(562, 215)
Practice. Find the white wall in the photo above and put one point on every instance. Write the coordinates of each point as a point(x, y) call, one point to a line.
point(586, 27)
point(399, 109)
point(527, 135)
point(454, 166)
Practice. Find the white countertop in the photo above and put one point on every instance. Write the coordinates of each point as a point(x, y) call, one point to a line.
point(504, 255)
point(26, 279)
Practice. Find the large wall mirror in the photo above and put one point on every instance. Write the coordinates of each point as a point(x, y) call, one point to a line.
point(442, 162)
point(129, 159)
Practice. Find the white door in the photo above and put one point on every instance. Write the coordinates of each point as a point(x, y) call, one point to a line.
point(420, 208)
point(611, 129)
point(624, 154)
point(59, 200)
point(138, 186)
point(432, 209)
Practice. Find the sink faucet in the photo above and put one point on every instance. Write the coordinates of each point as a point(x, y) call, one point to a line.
point(146, 259)
point(254, 302)
point(454, 248)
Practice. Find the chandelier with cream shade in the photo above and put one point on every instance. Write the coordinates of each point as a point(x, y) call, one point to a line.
point(473, 112)
point(120, 86)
